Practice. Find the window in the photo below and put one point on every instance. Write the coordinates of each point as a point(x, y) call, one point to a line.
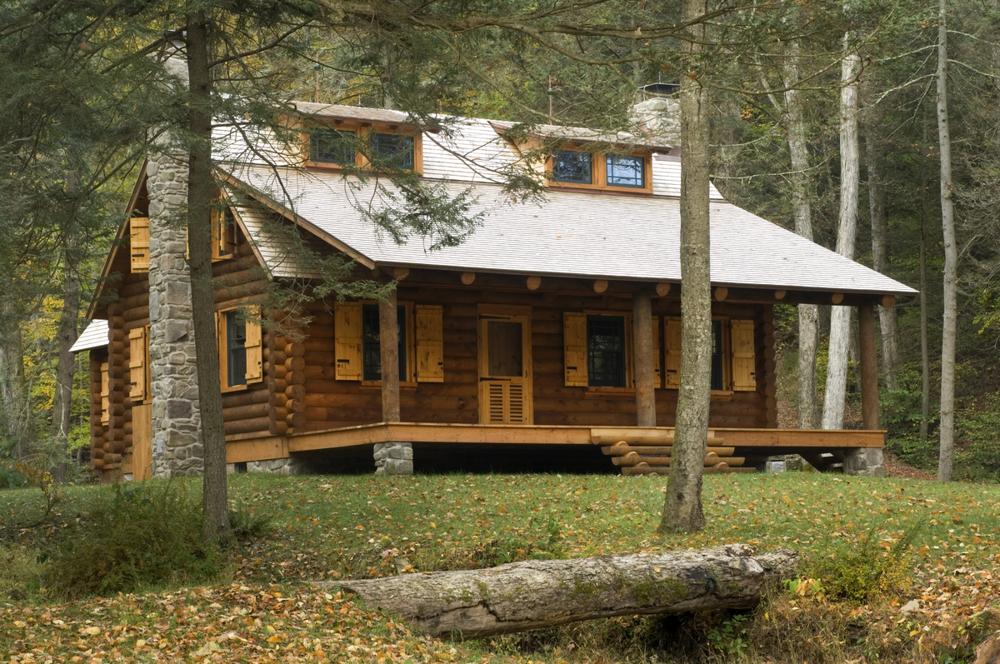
point(733, 354)
point(573, 167)
point(625, 171)
point(332, 146)
point(240, 347)
point(236, 349)
point(392, 151)
point(223, 233)
point(600, 170)
point(606, 359)
point(371, 351)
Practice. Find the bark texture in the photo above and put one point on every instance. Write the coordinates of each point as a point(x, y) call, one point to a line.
point(682, 510)
point(925, 351)
point(201, 196)
point(13, 389)
point(880, 256)
point(542, 593)
point(802, 211)
point(950, 299)
point(847, 229)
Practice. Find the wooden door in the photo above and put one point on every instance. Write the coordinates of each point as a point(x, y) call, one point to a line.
point(504, 367)
point(142, 441)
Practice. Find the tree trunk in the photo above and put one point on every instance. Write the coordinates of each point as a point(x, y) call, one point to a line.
point(925, 353)
point(682, 510)
point(802, 211)
point(840, 317)
point(201, 197)
point(880, 256)
point(65, 336)
point(543, 593)
point(13, 391)
point(950, 314)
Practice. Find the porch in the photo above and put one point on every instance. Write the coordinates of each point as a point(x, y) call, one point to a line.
point(634, 450)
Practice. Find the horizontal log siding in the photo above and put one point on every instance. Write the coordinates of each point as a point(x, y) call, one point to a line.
point(238, 280)
point(330, 403)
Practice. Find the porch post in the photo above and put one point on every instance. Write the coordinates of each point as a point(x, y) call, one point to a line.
point(391, 458)
point(867, 461)
point(643, 360)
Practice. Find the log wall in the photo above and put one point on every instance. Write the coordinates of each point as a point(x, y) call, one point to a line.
point(330, 403)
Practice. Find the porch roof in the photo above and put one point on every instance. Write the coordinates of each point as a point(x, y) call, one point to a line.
point(95, 335)
point(569, 234)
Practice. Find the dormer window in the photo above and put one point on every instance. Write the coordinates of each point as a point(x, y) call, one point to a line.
point(625, 171)
point(573, 167)
point(332, 146)
point(391, 150)
point(604, 170)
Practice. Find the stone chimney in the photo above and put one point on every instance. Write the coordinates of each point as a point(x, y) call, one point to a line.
point(657, 114)
point(177, 443)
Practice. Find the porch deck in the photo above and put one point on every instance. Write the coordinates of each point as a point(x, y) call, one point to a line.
point(635, 450)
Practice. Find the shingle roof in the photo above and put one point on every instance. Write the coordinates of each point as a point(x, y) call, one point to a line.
point(586, 234)
point(95, 335)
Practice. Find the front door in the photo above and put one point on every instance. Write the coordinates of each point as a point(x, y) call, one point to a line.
point(504, 366)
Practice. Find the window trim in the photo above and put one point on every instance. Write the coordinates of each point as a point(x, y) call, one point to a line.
point(363, 130)
point(222, 339)
point(599, 174)
point(410, 342)
point(629, 386)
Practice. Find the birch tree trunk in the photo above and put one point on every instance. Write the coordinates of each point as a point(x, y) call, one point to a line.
point(802, 212)
point(880, 256)
point(840, 317)
point(950, 315)
point(65, 336)
point(682, 511)
point(925, 354)
point(201, 197)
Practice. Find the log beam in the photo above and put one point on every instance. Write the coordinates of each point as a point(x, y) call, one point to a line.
point(388, 328)
point(533, 283)
point(600, 286)
point(543, 593)
point(468, 278)
point(643, 360)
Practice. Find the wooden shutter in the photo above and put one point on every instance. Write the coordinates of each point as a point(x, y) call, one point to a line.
point(744, 356)
point(672, 352)
point(347, 340)
point(105, 394)
point(575, 349)
point(254, 345)
point(139, 243)
point(657, 373)
point(429, 343)
point(222, 246)
point(137, 363)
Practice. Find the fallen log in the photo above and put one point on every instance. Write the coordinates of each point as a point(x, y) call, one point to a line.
point(543, 593)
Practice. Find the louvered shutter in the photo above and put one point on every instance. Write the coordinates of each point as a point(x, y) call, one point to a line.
point(575, 349)
point(429, 343)
point(672, 352)
point(744, 356)
point(253, 345)
point(105, 394)
point(347, 340)
point(137, 363)
point(139, 243)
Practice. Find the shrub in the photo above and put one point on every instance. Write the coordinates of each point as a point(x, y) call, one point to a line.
point(132, 537)
point(866, 570)
point(20, 572)
point(11, 478)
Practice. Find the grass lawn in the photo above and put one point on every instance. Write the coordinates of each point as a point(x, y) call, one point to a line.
point(329, 527)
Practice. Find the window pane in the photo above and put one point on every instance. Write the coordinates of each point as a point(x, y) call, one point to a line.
point(626, 171)
point(330, 146)
point(571, 166)
point(505, 349)
point(392, 151)
point(371, 353)
point(236, 353)
point(718, 374)
point(606, 350)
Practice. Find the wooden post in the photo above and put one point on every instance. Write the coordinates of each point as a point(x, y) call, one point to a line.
point(388, 327)
point(642, 333)
point(869, 366)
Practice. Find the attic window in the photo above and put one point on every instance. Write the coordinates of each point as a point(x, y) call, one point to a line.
point(625, 171)
point(392, 150)
point(573, 167)
point(331, 146)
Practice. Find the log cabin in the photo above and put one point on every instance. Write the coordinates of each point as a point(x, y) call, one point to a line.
point(556, 323)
